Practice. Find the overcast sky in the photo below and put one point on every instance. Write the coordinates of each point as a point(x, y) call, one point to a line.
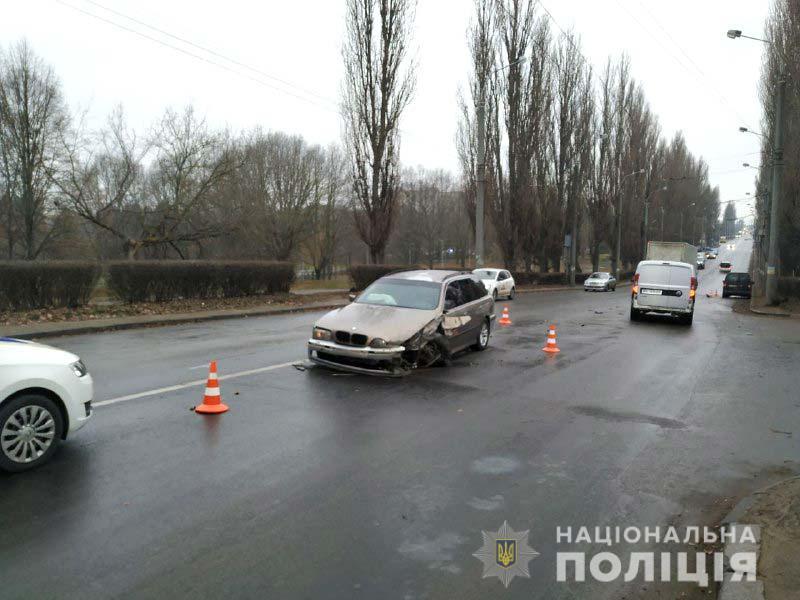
point(695, 78)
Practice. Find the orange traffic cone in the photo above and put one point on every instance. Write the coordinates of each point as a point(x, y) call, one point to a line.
point(504, 318)
point(212, 400)
point(551, 341)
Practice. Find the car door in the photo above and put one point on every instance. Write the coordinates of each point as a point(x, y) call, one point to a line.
point(506, 282)
point(462, 323)
point(456, 321)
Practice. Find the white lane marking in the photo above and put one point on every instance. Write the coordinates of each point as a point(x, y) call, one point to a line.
point(188, 384)
point(203, 366)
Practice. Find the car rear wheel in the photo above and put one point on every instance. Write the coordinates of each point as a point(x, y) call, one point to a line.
point(483, 337)
point(31, 427)
point(635, 314)
point(687, 319)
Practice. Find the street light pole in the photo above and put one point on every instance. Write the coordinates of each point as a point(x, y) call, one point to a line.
point(480, 176)
point(618, 261)
point(773, 258)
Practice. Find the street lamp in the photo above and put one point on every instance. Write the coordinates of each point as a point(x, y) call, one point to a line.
point(749, 166)
point(746, 130)
point(773, 257)
point(480, 176)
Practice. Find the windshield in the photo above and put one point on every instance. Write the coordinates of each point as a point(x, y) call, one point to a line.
point(485, 274)
point(598, 276)
point(403, 293)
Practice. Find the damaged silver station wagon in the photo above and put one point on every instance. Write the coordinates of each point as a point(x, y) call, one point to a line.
point(403, 321)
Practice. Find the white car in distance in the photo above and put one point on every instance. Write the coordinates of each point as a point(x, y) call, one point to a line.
point(498, 282)
point(600, 280)
point(45, 396)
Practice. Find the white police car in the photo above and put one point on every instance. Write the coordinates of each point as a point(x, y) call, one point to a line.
point(45, 396)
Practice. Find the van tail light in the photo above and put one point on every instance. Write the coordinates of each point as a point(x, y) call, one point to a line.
point(635, 281)
point(694, 283)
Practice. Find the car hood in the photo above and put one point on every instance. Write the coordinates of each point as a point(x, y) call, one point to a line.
point(595, 280)
point(23, 352)
point(391, 323)
point(489, 283)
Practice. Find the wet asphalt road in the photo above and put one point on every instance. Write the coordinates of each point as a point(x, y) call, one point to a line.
point(323, 486)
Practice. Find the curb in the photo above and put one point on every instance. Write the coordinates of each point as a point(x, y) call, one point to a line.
point(765, 313)
point(178, 320)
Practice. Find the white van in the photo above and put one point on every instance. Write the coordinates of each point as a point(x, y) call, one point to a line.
point(665, 287)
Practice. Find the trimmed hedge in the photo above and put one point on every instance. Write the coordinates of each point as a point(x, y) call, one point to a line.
point(364, 275)
point(536, 278)
point(789, 287)
point(27, 285)
point(164, 280)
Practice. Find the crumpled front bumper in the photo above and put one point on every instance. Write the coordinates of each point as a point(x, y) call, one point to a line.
point(357, 359)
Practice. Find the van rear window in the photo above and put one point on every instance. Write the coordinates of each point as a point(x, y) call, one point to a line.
point(664, 275)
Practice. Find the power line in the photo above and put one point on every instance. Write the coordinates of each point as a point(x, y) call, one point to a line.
point(708, 79)
point(212, 52)
point(196, 56)
point(702, 78)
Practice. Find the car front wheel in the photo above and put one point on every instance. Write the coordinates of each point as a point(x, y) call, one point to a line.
point(31, 427)
point(511, 294)
point(483, 337)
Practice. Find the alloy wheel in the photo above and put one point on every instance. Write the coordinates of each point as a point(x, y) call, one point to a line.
point(27, 434)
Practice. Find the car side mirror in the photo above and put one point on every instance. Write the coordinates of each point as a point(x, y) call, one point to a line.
point(352, 296)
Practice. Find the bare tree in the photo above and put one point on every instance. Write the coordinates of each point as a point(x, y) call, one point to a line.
point(164, 207)
point(322, 241)
point(33, 115)
point(281, 180)
point(379, 83)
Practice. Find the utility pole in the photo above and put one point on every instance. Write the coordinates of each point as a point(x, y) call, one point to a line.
point(773, 258)
point(480, 177)
point(573, 244)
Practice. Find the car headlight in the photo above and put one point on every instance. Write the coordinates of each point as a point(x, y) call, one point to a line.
point(378, 343)
point(79, 369)
point(321, 334)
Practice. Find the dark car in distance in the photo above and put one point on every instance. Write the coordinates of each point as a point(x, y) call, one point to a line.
point(737, 284)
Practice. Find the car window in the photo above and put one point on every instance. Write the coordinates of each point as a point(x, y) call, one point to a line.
point(469, 292)
point(680, 275)
point(479, 288)
point(454, 295)
point(595, 276)
point(654, 274)
point(485, 273)
point(423, 295)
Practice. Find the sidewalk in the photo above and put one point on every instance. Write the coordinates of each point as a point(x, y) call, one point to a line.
point(776, 510)
point(759, 307)
point(59, 328)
